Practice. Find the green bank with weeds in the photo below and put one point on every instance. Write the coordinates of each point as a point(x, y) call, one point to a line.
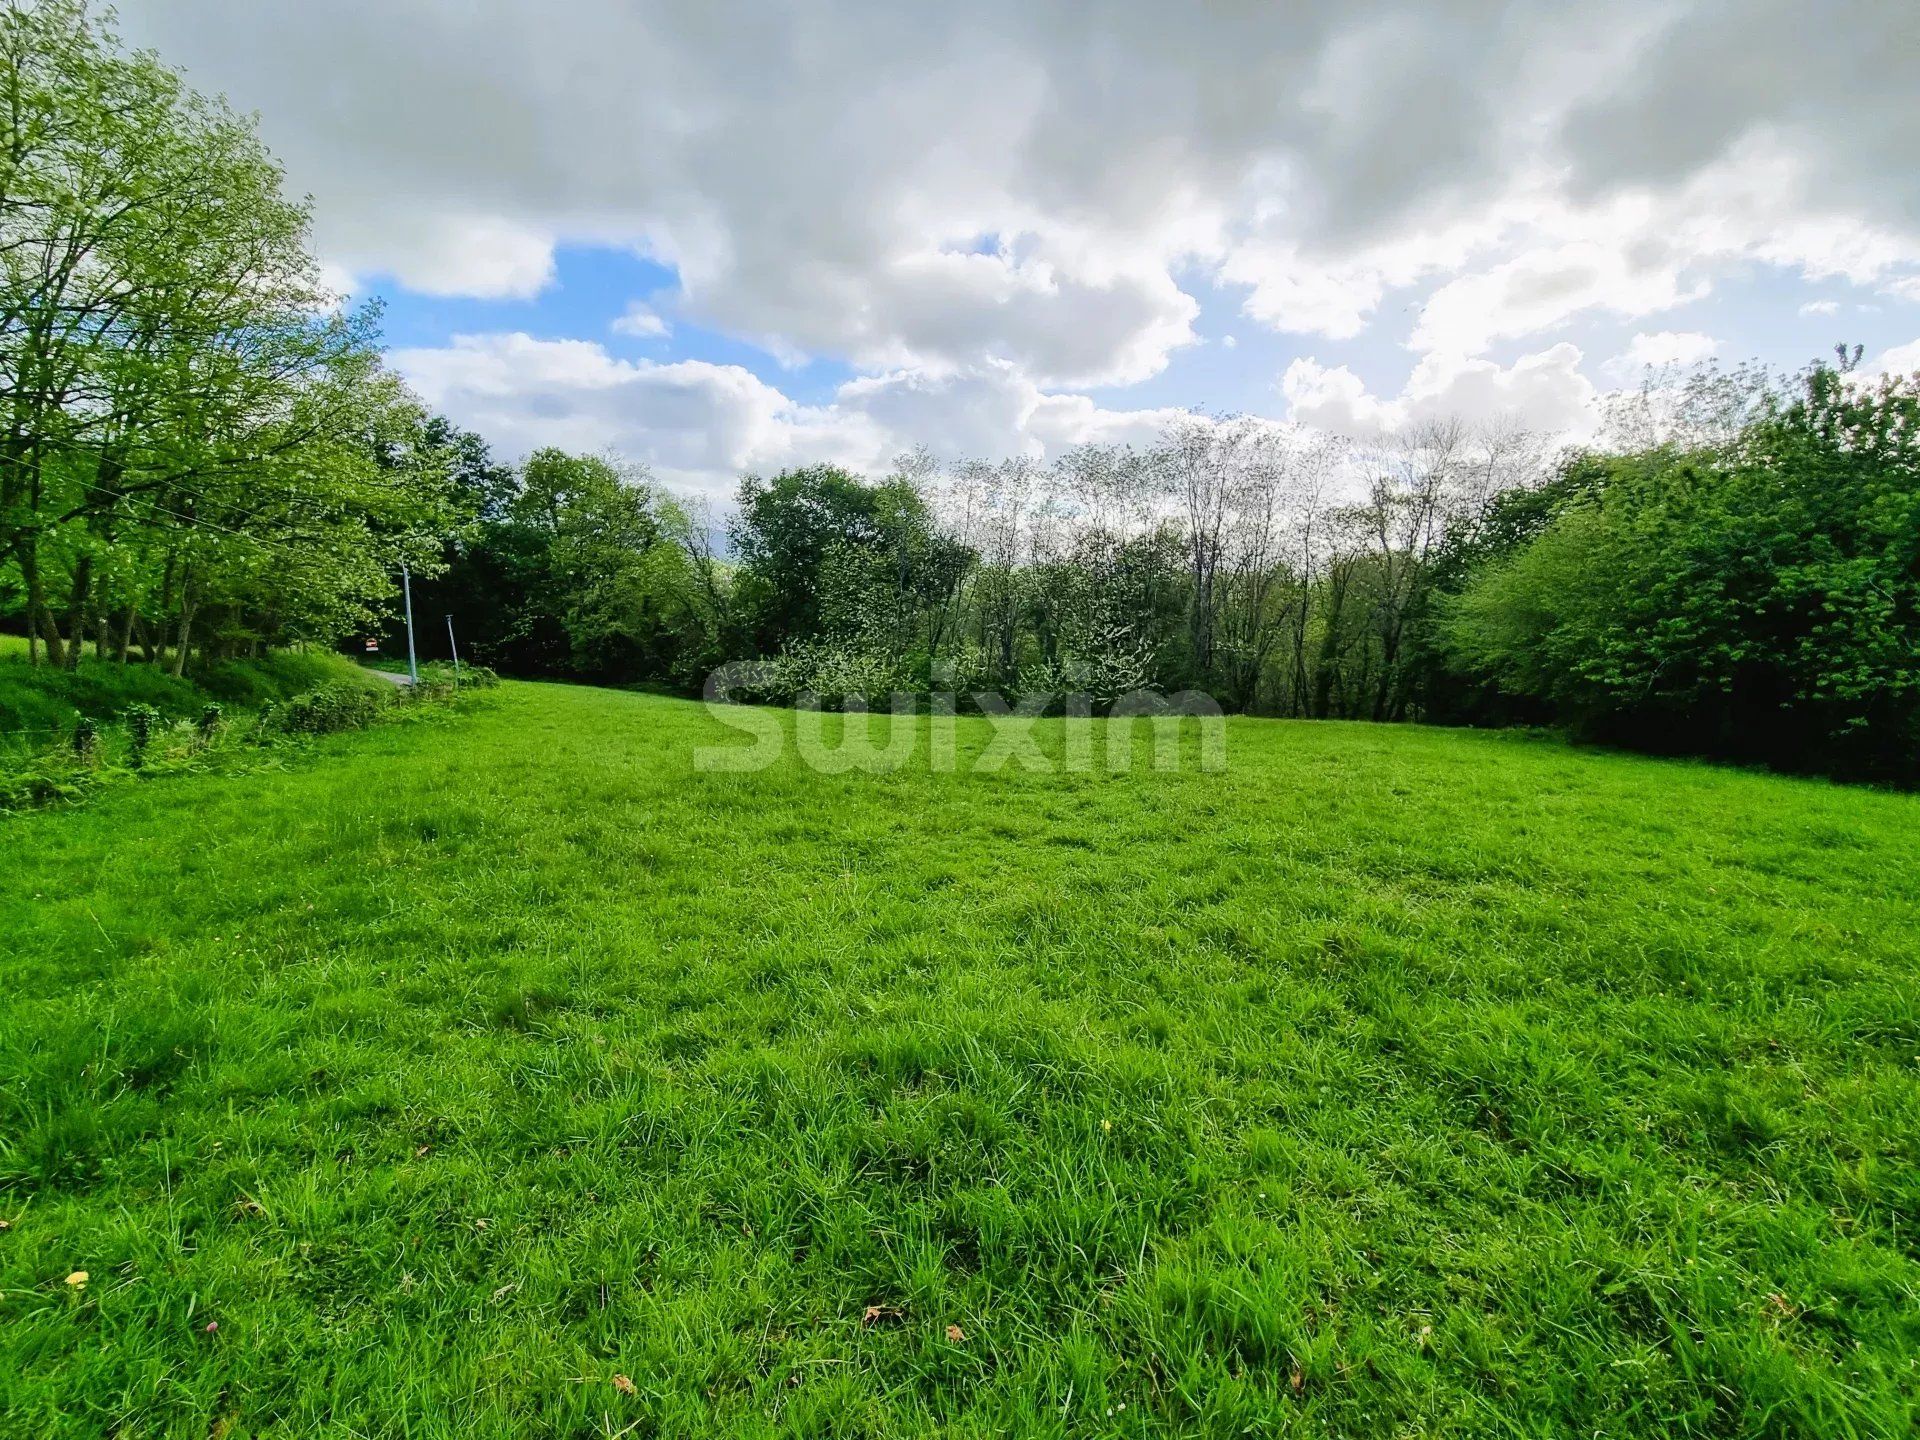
point(65, 734)
point(39, 704)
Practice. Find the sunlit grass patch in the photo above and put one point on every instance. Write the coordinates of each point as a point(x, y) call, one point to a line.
point(512, 1077)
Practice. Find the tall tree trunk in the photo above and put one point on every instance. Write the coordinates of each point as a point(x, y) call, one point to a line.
point(125, 640)
point(183, 639)
point(39, 617)
point(1327, 662)
point(14, 484)
point(157, 650)
point(42, 618)
point(1300, 682)
point(77, 610)
point(1383, 692)
point(189, 602)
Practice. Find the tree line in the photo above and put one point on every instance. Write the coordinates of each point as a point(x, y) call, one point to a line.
point(1734, 571)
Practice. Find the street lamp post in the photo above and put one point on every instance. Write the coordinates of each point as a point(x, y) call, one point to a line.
point(413, 665)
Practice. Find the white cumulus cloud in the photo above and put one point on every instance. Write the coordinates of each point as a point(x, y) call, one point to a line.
point(1663, 347)
point(1545, 391)
point(699, 426)
point(1896, 360)
point(642, 321)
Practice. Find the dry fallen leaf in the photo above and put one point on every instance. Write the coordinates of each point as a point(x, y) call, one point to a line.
point(880, 1314)
point(623, 1384)
point(956, 1334)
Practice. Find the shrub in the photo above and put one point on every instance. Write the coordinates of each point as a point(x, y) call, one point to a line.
point(328, 709)
point(48, 779)
point(832, 671)
point(437, 673)
point(142, 721)
point(477, 677)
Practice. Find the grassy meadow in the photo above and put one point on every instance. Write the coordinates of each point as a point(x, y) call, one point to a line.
point(508, 1077)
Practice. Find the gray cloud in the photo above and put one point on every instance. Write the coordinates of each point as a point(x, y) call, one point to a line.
point(1011, 188)
point(1832, 84)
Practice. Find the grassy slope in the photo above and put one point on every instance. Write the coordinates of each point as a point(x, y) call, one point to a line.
point(38, 703)
point(1395, 1079)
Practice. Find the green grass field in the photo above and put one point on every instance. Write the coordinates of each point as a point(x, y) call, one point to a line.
point(508, 1077)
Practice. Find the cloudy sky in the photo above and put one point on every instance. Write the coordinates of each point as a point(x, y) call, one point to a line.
point(723, 236)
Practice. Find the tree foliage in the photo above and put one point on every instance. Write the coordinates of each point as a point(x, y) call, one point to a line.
point(577, 565)
point(199, 451)
point(1757, 597)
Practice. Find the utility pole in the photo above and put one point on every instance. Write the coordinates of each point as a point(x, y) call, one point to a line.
point(455, 650)
point(413, 665)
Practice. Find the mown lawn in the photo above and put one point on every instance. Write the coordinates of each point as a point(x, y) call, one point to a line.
point(507, 1077)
